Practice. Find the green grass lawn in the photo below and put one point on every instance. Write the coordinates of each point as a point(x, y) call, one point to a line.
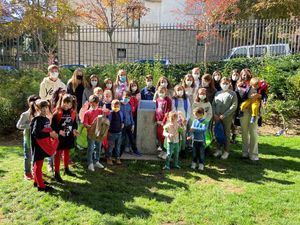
point(227, 192)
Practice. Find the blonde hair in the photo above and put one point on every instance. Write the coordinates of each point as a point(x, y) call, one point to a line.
point(74, 80)
point(254, 81)
point(97, 89)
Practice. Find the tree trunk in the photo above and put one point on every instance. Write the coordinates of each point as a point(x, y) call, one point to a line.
point(205, 56)
point(112, 54)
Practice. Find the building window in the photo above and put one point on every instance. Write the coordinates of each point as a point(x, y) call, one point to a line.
point(121, 53)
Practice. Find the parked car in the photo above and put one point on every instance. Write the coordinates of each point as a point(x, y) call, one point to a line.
point(247, 51)
point(73, 66)
point(164, 62)
point(8, 68)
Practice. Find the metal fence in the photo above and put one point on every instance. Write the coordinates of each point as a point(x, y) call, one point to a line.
point(177, 43)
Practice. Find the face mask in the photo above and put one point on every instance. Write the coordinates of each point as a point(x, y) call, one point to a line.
point(234, 77)
point(244, 77)
point(149, 83)
point(164, 84)
point(202, 97)
point(189, 83)
point(109, 99)
point(205, 84)
point(217, 78)
point(199, 116)
point(161, 95)
point(94, 83)
point(224, 87)
point(123, 79)
point(196, 76)
point(79, 77)
point(54, 75)
point(134, 88)
point(100, 96)
point(125, 100)
point(180, 93)
point(116, 109)
point(109, 86)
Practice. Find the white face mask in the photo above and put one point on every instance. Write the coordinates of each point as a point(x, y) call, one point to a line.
point(54, 75)
point(205, 84)
point(202, 97)
point(180, 93)
point(217, 78)
point(109, 86)
point(234, 77)
point(164, 84)
point(94, 83)
point(196, 76)
point(189, 83)
point(149, 83)
point(224, 87)
point(134, 88)
point(161, 95)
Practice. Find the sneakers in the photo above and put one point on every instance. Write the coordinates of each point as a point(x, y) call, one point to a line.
point(201, 167)
point(69, 173)
point(252, 120)
point(166, 167)
point(225, 155)
point(28, 176)
point(159, 149)
point(217, 153)
point(254, 158)
point(99, 165)
point(109, 162)
point(137, 153)
point(58, 178)
point(91, 167)
point(245, 155)
point(118, 161)
point(193, 166)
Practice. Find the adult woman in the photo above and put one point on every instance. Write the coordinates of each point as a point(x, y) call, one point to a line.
point(224, 107)
point(208, 83)
point(76, 86)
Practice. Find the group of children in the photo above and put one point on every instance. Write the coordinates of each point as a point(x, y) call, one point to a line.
point(183, 117)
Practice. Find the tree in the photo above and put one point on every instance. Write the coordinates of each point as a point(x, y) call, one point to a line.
point(207, 15)
point(43, 20)
point(108, 15)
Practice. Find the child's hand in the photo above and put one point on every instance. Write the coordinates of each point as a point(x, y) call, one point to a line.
point(159, 123)
point(53, 134)
point(105, 110)
point(62, 133)
point(122, 126)
point(189, 138)
point(132, 129)
point(221, 117)
point(75, 133)
point(171, 135)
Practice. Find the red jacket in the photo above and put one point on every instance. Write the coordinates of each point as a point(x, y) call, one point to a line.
point(163, 106)
point(134, 102)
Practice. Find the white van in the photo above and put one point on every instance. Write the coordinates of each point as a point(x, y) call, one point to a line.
point(260, 51)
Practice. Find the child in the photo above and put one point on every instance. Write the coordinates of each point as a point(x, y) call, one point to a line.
point(89, 89)
point(116, 119)
point(56, 96)
point(163, 106)
point(202, 101)
point(148, 92)
point(134, 102)
point(64, 123)
point(172, 135)
point(196, 76)
point(217, 76)
point(107, 99)
point(180, 103)
point(252, 101)
point(41, 131)
point(99, 92)
point(108, 85)
point(90, 117)
point(50, 83)
point(189, 87)
point(198, 129)
point(129, 124)
point(24, 124)
point(163, 82)
point(121, 84)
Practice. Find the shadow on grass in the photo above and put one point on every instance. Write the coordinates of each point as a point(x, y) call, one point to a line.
point(114, 189)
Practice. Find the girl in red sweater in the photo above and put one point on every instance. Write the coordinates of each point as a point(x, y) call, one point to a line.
point(134, 101)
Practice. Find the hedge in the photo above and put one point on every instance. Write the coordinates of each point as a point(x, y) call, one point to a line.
point(282, 74)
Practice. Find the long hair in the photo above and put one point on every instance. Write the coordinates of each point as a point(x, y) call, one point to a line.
point(208, 78)
point(175, 91)
point(197, 99)
point(161, 79)
point(74, 81)
point(131, 83)
point(188, 76)
point(67, 98)
point(38, 104)
point(118, 77)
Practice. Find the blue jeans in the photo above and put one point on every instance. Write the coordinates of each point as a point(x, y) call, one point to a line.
point(93, 146)
point(114, 143)
point(27, 157)
point(199, 152)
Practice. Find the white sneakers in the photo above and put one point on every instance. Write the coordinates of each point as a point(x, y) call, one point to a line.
point(162, 155)
point(217, 153)
point(254, 158)
point(92, 166)
point(201, 167)
point(99, 165)
point(225, 155)
point(193, 166)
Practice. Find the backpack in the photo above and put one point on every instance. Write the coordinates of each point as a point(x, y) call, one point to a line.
point(185, 105)
point(219, 133)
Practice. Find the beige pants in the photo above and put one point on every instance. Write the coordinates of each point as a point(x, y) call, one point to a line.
point(249, 135)
point(227, 130)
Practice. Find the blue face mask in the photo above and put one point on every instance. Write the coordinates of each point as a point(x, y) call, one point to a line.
point(123, 79)
point(125, 100)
